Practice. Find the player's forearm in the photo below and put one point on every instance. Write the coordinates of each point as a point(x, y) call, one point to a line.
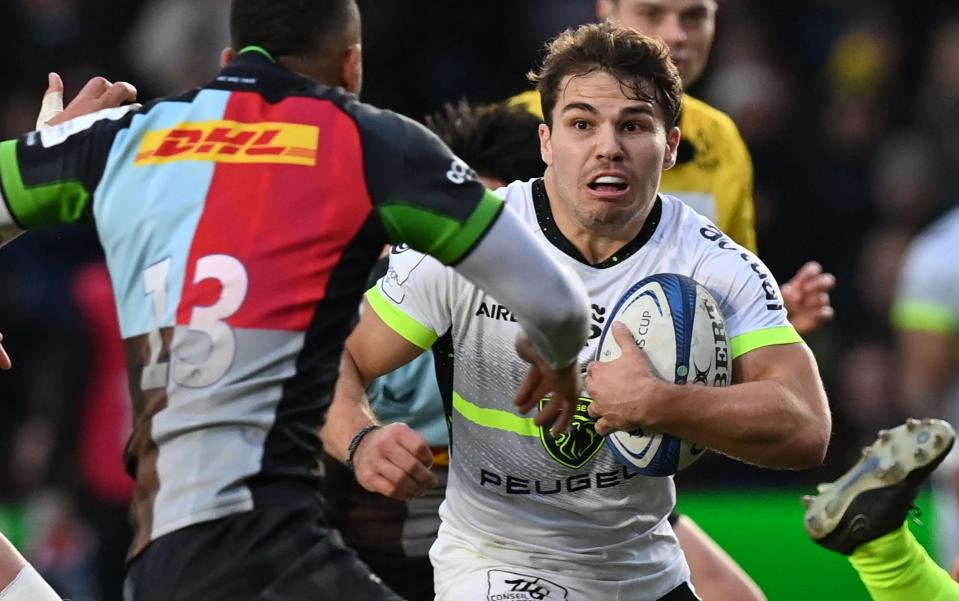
point(549, 302)
point(767, 423)
point(349, 412)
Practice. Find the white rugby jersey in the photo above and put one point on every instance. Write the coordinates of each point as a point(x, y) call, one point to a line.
point(927, 294)
point(564, 504)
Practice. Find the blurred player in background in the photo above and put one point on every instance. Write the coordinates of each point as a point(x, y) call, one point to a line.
point(394, 536)
point(863, 513)
point(210, 203)
point(567, 522)
point(926, 317)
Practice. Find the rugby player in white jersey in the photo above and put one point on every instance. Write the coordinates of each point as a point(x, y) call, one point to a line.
point(567, 521)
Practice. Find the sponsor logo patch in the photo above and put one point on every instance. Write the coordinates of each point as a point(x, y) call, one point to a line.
point(231, 142)
point(510, 586)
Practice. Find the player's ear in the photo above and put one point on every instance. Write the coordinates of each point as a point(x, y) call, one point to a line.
point(545, 144)
point(672, 143)
point(352, 73)
point(227, 55)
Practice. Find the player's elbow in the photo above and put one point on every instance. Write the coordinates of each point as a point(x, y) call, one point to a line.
point(811, 443)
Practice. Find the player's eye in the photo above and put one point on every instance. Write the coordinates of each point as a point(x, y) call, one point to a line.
point(581, 124)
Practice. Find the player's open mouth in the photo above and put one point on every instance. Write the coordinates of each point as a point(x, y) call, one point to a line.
point(608, 185)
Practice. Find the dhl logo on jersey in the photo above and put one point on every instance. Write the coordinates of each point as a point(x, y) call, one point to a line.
point(231, 142)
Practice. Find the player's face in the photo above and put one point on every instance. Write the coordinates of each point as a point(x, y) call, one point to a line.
point(605, 152)
point(687, 26)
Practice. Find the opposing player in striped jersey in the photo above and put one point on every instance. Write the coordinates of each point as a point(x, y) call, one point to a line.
point(239, 222)
point(529, 515)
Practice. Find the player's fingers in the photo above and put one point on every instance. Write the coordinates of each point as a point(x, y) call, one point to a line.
point(117, 94)
point(400, 484)
point(525, 398)
point(562, 420)
point(624, 338)
point(52, 103)
point(416, 446)
point(602, 426)
point(93, 89)
point(547, 415)
point(823, 282)
point(809, 270)
point(54, 84)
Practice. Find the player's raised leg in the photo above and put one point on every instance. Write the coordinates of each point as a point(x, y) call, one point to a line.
point(862, 513)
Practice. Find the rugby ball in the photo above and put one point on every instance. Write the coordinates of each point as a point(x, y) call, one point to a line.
point(677, 322)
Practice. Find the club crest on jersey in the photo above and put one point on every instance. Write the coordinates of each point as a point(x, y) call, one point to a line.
point(231, 142)
point(575, 447)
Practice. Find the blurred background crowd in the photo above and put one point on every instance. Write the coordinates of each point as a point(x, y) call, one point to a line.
point(849, 107)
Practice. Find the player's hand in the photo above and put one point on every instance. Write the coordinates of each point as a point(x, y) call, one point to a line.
point(97, 95)
point(621, 389)
point(806, 297)
point(394, 461)
point(955, 569)
point(561, 385)
point(4, 357)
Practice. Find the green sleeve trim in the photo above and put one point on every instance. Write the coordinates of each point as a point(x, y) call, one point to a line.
point(925, 317)
point(259, 49)
point(401, 323)
point(43, 205)
point(441, 236)
point(495, 418)
point(751, 341)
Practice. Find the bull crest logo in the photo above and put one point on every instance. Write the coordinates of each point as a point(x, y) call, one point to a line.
point(575, 447)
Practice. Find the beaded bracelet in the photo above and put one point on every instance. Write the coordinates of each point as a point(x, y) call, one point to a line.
point(355, 443)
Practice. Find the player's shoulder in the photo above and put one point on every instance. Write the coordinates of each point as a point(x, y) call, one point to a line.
point(933, 247)
point(699, 116)
point(375, 121)
point(518, 196)
point(700, 238)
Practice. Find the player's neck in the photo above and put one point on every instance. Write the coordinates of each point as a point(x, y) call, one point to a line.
point(597, 242)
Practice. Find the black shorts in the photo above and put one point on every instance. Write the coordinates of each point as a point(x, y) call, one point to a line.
point(273, 553)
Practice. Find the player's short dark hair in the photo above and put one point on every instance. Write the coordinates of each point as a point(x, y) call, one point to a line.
point(636, 60)
point(292, 27)
point(496, 140)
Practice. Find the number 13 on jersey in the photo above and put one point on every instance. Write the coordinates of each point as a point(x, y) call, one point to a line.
point(202, 353)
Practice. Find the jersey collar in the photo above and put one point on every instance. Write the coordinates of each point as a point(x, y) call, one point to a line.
point(544, 215)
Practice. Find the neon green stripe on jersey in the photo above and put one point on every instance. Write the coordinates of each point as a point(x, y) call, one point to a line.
point(495, 418)
point(401, 323)
point(924, 317)
point(441, 236)
point(37, 206)
point(259, 49)
point(751, 341)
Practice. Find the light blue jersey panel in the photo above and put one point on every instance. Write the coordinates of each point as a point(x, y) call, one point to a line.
point(410, 395)
point(146, 216)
